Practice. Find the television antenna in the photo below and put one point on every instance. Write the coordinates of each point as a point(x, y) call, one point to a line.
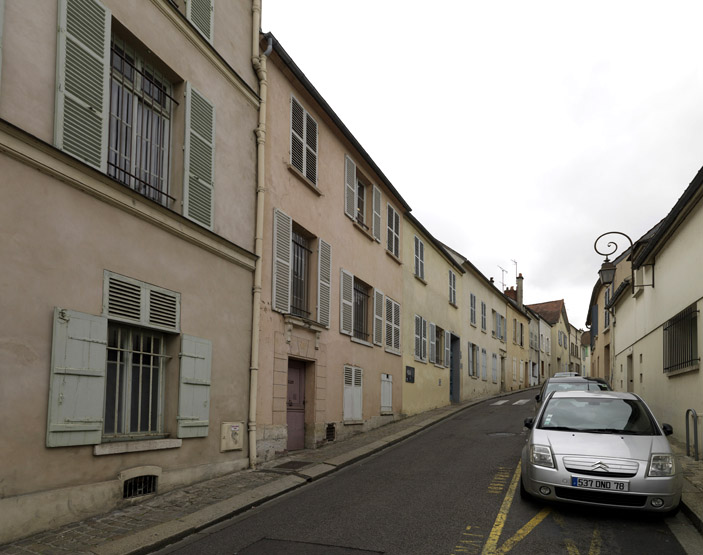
point(503, 271)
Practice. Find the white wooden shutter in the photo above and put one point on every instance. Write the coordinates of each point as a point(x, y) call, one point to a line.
point(418, 337)
point(297, 135)
point(376, 214)
point(201, 13)
point(352, 393)
point(199, 159)
point(349, 187)
point(77, 382)
point(346, 309)
point(378, 317)
point(82, 81)
point(358, 394)
point(324, 285)
point(471, 359)
point(386, 394)
point(424, 339)
point(433, 342)
point(389, 323)
point(282, 247)
point(310, 148)
point(194, 389)
point(393, 325)
point(447, 347)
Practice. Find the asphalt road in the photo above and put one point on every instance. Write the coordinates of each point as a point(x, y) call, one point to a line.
point(448, 490)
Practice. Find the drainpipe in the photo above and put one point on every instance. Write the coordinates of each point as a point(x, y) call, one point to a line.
point(259, 62)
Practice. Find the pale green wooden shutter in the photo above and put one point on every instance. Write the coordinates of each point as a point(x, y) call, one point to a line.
point(201, 13)
point(82, 81)
point(349, 187)
point(199, 159)
point(447, 347)
point(433, 342)
point(194, 389)
point(378, 317)
point(348, 392)
point(424, 339)
point(77, 382)
point(324, 286)
point(282, 245)
point(377, 214)
point(346, 296)
point(418, 337)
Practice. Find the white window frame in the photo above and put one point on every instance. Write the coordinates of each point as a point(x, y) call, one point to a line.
point(452, 288)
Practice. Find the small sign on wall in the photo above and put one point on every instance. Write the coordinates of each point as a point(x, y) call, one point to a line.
point(410, 374)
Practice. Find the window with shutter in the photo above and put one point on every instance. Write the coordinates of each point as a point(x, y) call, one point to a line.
point(378, 299)
point(376, 224)
point(77, 383)
point(419, 258)
point(393, 326)
point(194, 390)
point(452, 287)
point(424, 339)
point(353, 396)
point(199, 159)
point(473, 309)
point(433, 342)
point(303, 137)
point(82, 79)
point(393, 232)
point(324, 288)
point(282, 255)
point(349, 187)
point(447, 348)
point(346, 310)
point(201, 13)
point(484, 364)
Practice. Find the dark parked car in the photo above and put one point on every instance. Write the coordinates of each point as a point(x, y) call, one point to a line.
point(572, 383)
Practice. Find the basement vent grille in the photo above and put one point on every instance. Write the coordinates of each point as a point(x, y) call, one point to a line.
point(331, 432)
point(139, 486)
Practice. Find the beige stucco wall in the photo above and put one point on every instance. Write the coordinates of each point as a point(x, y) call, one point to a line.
point(638, 332)
point(62, 224)
point(517, 353)
point(320, 211)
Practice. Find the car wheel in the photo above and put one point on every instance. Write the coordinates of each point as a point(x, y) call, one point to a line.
point(523, 492)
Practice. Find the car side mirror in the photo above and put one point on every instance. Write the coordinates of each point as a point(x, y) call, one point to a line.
point(537, 397)
point(530, 422)
point(668, 430)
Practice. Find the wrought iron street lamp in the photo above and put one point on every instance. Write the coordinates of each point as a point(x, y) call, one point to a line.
point(607, 269)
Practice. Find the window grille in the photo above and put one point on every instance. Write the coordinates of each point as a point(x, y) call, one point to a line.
point(361, 311)
point(139, 485)
point(330, 432)
point(299, 276)
point(681, 340)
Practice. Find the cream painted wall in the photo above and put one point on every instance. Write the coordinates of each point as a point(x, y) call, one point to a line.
point(516, 352)
point(320, 211)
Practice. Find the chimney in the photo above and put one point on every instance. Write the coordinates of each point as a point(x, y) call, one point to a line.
point(519, 290)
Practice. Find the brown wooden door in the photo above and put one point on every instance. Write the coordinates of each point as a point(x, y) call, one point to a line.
point(296, 405)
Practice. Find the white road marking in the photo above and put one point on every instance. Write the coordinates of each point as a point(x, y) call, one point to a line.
point(521, 402)
point(500, 402)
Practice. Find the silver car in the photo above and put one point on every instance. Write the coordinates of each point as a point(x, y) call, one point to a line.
point(600, 448)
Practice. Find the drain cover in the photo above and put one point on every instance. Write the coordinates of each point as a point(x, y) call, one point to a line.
point(292, 465)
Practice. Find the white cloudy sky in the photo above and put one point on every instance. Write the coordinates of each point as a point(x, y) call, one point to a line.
point(515, 129)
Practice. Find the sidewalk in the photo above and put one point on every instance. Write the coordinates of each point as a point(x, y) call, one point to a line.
point(166, 518)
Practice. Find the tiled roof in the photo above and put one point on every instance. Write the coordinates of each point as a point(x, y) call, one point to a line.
point(550, 310)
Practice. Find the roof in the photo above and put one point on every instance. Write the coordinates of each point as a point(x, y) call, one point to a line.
point(438, 244)
point(550, 311)
point(327, 109)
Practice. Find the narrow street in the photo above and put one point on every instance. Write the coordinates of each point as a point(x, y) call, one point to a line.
point(451, 489)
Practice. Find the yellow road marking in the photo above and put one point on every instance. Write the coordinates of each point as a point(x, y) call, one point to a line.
point(522, 532)
point(596, 543)
point(494, 536)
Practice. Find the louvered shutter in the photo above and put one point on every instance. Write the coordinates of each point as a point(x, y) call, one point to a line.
point(358, 395)
point(346, 296)
point(77, 383)
point(194, 388)
point(447, 347)
point(82, 79)
point(201, 13)
point(297, 135)
point(418, 337)
point(389, 323)
point(135, 302)
point(349, 187)
point(324, 285)
point(376, 214)
point(310, 148)
point(433, 342)
point(199, 159)
point(352, 393)
point(386, 393)
point(471, 359)
point(417, 256)
point(424, 339)
point(378, 317)
point(282, 245)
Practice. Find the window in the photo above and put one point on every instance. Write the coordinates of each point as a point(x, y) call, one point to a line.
point(681, 341)
point(302, 271)
point(362, 296)
point(357, 316)
point(393, 232)
point(484, 364)
point(140, 130)
point(521, 334)
point(483, 316)
point(358, 191)
point(452, 288)
point(606, 312)
point(514, 369)
point(420, 338)
point(201, 13)
point(473, 360)
point(303, 141)
point(134, 382)
point(392, 326)
point(419, 258)
point(499, 326)
point(494, 368)
point(353, 393)
point(522, 370)
point(440, 342)
point(114, 109)
point(473, 309)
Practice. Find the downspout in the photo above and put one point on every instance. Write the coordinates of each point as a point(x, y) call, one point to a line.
point(259, 62)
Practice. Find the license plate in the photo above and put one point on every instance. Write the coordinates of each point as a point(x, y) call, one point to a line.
point(599, 483)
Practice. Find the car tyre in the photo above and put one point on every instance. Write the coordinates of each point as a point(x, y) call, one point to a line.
point(523, 492)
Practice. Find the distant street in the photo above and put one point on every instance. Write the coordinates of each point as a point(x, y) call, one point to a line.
point(448, 490)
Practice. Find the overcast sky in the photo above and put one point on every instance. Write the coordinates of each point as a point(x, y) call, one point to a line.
point(516, 130)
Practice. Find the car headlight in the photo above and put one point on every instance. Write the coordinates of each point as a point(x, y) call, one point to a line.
point(661, 465)
point(541, 455)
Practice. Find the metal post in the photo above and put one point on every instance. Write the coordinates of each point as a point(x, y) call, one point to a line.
point(695, 433)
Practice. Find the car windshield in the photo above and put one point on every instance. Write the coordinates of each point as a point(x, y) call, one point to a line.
point(598, 415)
point(575, 386)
